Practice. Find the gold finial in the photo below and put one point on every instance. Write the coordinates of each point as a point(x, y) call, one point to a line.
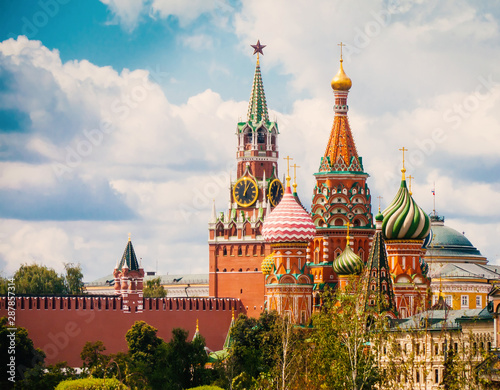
point(197, 327)
point(410, 177)
point(379, 198)
point(129, 236)
point(341, 82)
point(287, 158)
point(348, 238)
point(403, 170)
point(295, 166)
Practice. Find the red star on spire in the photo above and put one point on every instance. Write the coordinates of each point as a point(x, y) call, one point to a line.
point(258, 48)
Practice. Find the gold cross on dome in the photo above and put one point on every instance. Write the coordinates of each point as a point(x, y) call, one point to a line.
point(403, 149)
point(379, 199)
point(410, 177)
point(295, 166)
point(348, 225)
point(288, 158)
point(341, 45)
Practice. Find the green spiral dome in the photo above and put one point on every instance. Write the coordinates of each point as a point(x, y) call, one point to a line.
point(348, 263)
point(404, 219)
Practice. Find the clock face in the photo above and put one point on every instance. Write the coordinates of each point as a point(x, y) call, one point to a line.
point(245, 192)
point(275, 192)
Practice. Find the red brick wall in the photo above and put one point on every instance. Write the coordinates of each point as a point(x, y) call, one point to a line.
point(62, 332)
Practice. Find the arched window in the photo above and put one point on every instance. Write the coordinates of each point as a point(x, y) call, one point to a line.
point(224, 251)
point(261, 136)
point(339, 222)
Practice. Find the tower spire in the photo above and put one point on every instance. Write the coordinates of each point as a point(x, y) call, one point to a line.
point(257, 106)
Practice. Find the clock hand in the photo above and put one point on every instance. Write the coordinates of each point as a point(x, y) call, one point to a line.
point(246, 188)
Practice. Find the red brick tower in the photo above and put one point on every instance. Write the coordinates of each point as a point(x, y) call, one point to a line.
point(129, 277)
point(340, 196)
point(405, 226)
point(236, 245)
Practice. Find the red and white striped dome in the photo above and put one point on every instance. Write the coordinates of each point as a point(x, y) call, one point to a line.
point(288, 222)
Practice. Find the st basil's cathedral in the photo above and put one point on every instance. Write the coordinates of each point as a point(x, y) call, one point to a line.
point(267, 230)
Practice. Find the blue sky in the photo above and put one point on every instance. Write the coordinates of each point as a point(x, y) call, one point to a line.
point(119, 116)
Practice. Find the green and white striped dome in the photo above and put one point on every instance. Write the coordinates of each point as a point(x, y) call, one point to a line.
point(404, 219)
point(348, 263)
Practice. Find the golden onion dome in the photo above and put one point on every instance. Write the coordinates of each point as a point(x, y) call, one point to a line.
point(341, 82)
point(267, 265)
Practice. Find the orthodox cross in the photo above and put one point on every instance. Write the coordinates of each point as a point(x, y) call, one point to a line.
point(379, 198)
point(410, 177)
point(341, 45)
point(347, 225)
point(403, 170)
point(295, 166)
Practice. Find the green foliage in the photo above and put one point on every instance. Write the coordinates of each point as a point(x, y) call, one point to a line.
point(206, 388)
point(26, 356)
point(46, 378)
point(94, 360)
point(154, 289)
point(74, 279)
point(143, 343)
point(256, 344)
point(38, 280)
point(34, 279)
point(345, 348)
point(183, 363)
point(92, 384)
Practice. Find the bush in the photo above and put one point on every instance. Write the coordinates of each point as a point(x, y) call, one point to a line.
point(206, 388)
point(92, 384)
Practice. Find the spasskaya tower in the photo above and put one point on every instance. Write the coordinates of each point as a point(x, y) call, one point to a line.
point(236, 245)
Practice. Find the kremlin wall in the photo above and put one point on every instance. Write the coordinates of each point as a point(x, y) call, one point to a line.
point(267, 252)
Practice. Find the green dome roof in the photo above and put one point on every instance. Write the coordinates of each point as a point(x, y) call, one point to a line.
point(447, 242)
point(347, 263)
point(404, 219)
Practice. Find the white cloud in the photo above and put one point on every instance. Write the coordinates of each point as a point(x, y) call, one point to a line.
point(126, 12)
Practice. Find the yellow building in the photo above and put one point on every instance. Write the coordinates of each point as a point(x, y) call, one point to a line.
point(457, 268)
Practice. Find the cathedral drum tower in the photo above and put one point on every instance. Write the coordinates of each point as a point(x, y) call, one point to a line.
point(340, 196)
point(405, 227)
point(236, 244)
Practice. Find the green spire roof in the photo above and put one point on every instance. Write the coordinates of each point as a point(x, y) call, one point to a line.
point(129, 258)
point(379, 294)
point(257, 107)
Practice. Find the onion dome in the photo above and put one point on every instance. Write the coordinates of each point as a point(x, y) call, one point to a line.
point(428, 239)
point(267, 264)
point(348, 262)
point(341, 82)
point(379, 217)
point(404, 219)
point(288, 222)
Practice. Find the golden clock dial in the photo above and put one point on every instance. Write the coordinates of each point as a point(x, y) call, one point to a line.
point(245, 192)
point(275, 192)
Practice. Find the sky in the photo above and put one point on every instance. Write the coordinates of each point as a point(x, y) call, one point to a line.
point(119, 117)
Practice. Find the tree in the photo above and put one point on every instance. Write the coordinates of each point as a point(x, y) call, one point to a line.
point(257, 344)
point(38, 280)
point(154, 289)
point(34, 279)
point(94, 360)
point(345, 342)
point(74, 279)
point(26, 356)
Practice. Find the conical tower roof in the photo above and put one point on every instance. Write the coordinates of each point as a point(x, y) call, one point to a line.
point(257, 106)
point(341, 154)
point(129, 258)
point(379, 293)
